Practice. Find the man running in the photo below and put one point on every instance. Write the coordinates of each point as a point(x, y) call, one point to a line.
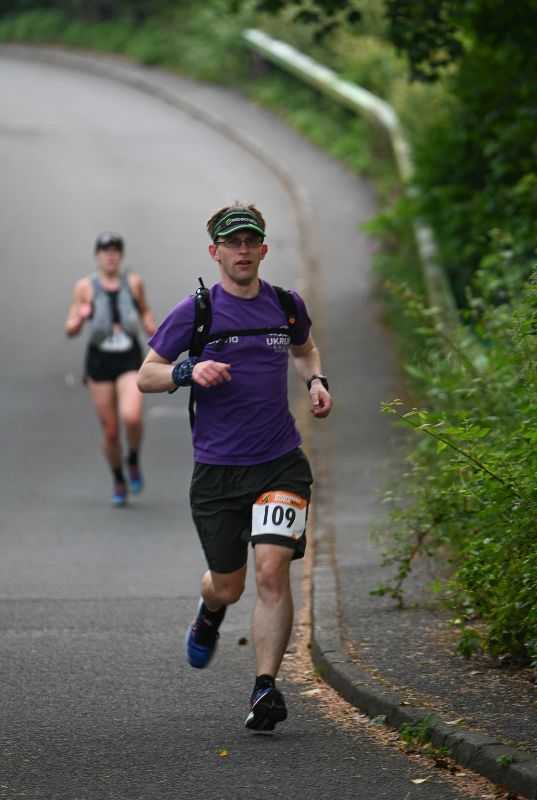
point(251, 481)
point(113, 301)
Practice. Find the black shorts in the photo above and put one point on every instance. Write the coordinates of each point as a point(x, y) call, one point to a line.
point(101, 366)
point(222, 497)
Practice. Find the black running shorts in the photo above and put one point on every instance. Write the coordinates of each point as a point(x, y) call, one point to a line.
point(222, 499)
point(102, 366)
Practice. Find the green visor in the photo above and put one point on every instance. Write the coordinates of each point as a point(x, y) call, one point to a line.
point(236, 221)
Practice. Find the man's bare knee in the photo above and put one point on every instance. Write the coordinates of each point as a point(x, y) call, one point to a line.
point(272, 576)
point(227, 589)
point(231, 594)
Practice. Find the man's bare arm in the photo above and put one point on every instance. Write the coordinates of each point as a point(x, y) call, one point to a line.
point(308, 362)
point(155, 374)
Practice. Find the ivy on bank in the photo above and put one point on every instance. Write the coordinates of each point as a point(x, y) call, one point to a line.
point(471, 485)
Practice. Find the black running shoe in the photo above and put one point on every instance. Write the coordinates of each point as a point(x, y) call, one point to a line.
point(268, 708)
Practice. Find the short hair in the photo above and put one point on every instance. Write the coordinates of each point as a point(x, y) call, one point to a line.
point(236, 206)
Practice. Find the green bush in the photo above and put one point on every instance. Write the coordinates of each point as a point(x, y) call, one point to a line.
point(367, 61)
point(200, 40)
point(476, 166)
point(34, 26)
point(471, 484)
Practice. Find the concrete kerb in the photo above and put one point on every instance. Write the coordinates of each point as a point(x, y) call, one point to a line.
point(484, 755)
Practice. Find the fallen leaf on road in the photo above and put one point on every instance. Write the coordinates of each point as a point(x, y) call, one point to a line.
point(419, 780)
point(455, 721)
point(224, 752)
point(310, 692)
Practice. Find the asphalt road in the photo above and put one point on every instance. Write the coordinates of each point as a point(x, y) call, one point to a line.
point(96, 700)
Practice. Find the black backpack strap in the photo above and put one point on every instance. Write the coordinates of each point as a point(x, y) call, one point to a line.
point(200, 334)
point(202, 320)
point(289, 308)
point(218, 338)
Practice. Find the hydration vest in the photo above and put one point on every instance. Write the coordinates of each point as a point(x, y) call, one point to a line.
point(202, 334)
point(102, 320)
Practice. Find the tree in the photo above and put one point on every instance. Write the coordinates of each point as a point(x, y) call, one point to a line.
point(325, 15)
point(477, 164)
point(435, 33)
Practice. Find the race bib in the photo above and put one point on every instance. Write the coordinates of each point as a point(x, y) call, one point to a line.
point(281, 513)
point(116, 342)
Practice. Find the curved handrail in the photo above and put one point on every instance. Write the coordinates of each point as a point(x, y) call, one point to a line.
point(361, 100)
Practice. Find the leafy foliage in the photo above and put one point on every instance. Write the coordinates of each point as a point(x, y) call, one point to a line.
point(325, 15)
point(173, 36)
point(476, 162)
point(95, 10)
point(427, 32)
point(471, 485)
point(419, 732)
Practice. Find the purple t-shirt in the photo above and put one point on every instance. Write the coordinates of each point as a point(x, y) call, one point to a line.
point(245, 420)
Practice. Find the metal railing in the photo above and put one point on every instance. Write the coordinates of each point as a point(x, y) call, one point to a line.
point(360, 100)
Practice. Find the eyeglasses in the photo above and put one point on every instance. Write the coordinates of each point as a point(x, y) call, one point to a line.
point(235, 242)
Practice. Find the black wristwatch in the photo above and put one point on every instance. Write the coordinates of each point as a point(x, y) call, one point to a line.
point(322, 378)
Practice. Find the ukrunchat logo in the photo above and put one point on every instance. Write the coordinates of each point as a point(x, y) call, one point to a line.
point(280, 343)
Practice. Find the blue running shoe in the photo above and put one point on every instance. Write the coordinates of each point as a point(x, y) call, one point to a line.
point(201, 639)
point(119, 495)
point(268, 708)
point(136, 482)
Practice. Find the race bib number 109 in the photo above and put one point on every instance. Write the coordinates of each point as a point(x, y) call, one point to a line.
point(281, 513)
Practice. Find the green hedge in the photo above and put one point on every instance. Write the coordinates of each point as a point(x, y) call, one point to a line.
point(201, 42)
point(470, 491)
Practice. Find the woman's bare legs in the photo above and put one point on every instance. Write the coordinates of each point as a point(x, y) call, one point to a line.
point(104, 398)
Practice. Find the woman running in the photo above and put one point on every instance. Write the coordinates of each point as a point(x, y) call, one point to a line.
point(114, 303)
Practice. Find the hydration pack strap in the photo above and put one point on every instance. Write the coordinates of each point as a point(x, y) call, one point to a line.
point(219, 338)
point(201, 335)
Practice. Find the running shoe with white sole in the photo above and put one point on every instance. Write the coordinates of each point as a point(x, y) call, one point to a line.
point(201, 640)
point(267, 709)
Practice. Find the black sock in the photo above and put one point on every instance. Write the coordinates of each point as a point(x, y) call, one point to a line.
point(263, 682)
point(118, 475)
point(132, 458)
point(214, 617)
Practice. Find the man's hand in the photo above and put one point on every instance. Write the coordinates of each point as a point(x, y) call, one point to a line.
point(210, 373)
point(321, 400)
